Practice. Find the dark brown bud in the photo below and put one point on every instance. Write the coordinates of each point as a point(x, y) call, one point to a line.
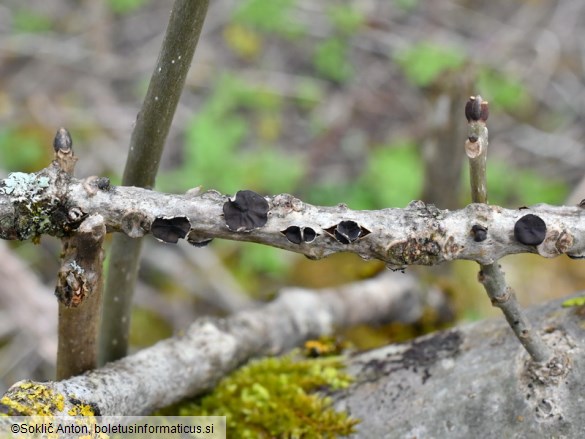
point(62, 141)
point(476, 109)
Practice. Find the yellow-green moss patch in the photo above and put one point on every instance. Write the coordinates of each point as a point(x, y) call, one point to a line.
point(274, 397)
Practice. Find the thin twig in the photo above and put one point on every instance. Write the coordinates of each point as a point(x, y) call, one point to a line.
point(146, 146)
point(491, 275)
point(80, 279)
point(79, 290)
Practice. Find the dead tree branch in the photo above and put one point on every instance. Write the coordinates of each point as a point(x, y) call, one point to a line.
point(194, 362)
point(420, 234)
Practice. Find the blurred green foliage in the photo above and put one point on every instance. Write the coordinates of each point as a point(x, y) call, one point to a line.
point(30, 21)
point(331, 56)
point(242, 40)
point(503, 90)
point(309, 93)
point(123, 7)
point(273, 16)
point(330, 59)
point(406, 5)
point(22, 150)
point(425, 62)
point(510, 186)
point(345, 18)
point(255, 264)
point(392, 177)
point(147, 327)
point(214, 153)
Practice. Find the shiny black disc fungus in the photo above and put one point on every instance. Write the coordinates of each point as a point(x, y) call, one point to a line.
point(293, 234)
point(347, 232)
point(170, 229)
point(479, 233)
point(530, 230)
point(296, 234)
point(309, 234)
point(246, 212)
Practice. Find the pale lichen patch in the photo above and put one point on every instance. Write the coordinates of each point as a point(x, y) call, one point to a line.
point(22, 186)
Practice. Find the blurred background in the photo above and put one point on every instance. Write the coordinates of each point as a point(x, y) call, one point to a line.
point(357, 101)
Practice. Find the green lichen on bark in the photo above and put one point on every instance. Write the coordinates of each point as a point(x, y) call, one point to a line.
point(275, 397)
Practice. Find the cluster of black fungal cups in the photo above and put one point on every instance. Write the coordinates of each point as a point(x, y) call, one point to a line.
point(528, 230)
point(248, 211)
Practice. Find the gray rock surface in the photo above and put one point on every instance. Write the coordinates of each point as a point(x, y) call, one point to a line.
point(474, 381)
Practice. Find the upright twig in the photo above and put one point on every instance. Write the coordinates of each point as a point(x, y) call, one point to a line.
point(146, 146)
point(79, 290)
point(491, 275)
point(79, 283)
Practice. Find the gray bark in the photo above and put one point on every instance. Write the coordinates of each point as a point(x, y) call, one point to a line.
point(474, 381)
point(421, 234)
point(468, 382)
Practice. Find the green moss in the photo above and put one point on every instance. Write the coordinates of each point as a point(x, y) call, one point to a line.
point(273, 397)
